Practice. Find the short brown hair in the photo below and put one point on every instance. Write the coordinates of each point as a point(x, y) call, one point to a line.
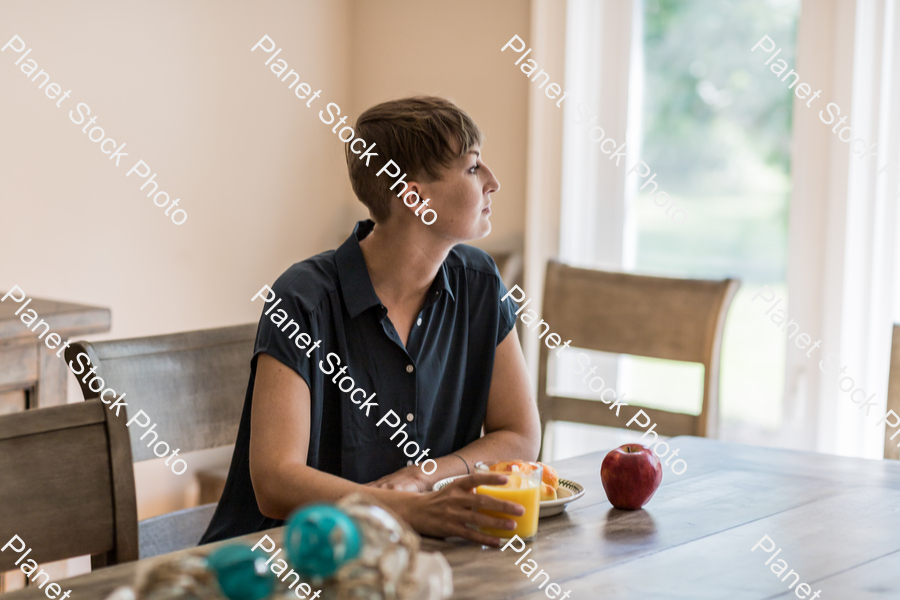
point(417, 134)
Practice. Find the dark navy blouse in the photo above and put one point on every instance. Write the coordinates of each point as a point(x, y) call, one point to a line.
point(437, 385)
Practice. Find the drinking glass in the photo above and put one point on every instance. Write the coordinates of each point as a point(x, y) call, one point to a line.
point(523, 487)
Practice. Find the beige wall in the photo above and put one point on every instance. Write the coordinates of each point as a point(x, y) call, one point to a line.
point(257, 172)
point(176, 82)
point(262, 179)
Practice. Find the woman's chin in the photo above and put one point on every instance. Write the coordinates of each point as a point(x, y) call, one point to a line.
point(476, 231)
point(484, 228)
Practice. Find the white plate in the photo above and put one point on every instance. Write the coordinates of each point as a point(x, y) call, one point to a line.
point(568, 491)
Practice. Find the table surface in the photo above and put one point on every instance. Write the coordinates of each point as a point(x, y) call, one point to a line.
point(64, 318)
point(836, 520)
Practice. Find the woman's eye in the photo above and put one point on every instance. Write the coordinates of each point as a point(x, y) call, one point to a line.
point(473, 169)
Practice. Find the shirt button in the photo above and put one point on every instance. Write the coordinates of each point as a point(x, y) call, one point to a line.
point(409, 368)
point(419, 322)
point(409, 463)
point(410, 417)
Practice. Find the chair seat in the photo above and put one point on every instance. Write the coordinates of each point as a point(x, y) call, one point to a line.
point(173, 531)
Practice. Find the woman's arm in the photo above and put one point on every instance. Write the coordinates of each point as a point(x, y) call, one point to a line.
point(279, 439)
point(512, 426)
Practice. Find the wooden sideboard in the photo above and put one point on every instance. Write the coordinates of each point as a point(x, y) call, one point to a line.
point(31, 375)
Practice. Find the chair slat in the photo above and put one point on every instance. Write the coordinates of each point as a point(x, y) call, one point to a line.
point(174, 342)
point(631, 314)
point(52, 418)
point(594, 412)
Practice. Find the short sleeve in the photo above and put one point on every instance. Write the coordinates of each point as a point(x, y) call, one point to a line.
point(508, 309)
point(287, 332)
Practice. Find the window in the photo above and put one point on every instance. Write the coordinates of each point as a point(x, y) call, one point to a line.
point(715, 127)
point(717, 131)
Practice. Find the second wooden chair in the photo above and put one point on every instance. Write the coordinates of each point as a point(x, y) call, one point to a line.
point(891, 443)
point(657, 317)
point(192, 385)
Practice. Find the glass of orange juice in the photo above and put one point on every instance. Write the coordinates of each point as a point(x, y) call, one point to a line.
point(523, 487)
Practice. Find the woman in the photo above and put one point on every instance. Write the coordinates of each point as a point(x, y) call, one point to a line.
point(396, 341)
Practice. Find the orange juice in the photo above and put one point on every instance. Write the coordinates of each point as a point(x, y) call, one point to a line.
point(522, 488)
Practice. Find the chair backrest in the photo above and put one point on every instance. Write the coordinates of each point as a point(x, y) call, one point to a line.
point(174, 531)
point(67, 485)
point(191, 384)
point(891, 449)
point(658, 317)
point(510, 266)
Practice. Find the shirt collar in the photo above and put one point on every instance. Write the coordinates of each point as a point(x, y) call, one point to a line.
point(441, 283)
point(356, 285)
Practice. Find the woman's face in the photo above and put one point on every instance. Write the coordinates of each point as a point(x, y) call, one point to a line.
point(461, 198)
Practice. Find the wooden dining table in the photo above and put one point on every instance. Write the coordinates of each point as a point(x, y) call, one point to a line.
point(31, 375)
point(835, 520)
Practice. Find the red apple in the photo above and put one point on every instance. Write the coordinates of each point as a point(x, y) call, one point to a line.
point(630, 476)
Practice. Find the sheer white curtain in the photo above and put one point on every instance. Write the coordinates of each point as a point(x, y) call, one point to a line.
point(843, 227)
point(542, 205)
point(603, 61)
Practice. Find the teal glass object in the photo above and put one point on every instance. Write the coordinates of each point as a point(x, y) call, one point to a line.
point(320, 539)
point(242, 573)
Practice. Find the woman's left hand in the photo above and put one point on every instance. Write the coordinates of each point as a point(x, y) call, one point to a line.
point(407, 479)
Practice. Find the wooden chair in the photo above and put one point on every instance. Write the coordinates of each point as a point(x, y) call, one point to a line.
point(192, 385)
point(675, 319)
point(893, 398)
point(67, 485)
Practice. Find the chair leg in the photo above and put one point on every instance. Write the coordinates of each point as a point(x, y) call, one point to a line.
point(543, 451)
point(98, 561)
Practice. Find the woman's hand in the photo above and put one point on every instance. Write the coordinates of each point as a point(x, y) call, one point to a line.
point(407, 479)
point(451, 510)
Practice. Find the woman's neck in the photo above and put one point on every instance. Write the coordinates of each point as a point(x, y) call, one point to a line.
point(402, 262)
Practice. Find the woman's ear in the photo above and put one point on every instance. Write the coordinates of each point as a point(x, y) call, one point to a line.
point(412, 196)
